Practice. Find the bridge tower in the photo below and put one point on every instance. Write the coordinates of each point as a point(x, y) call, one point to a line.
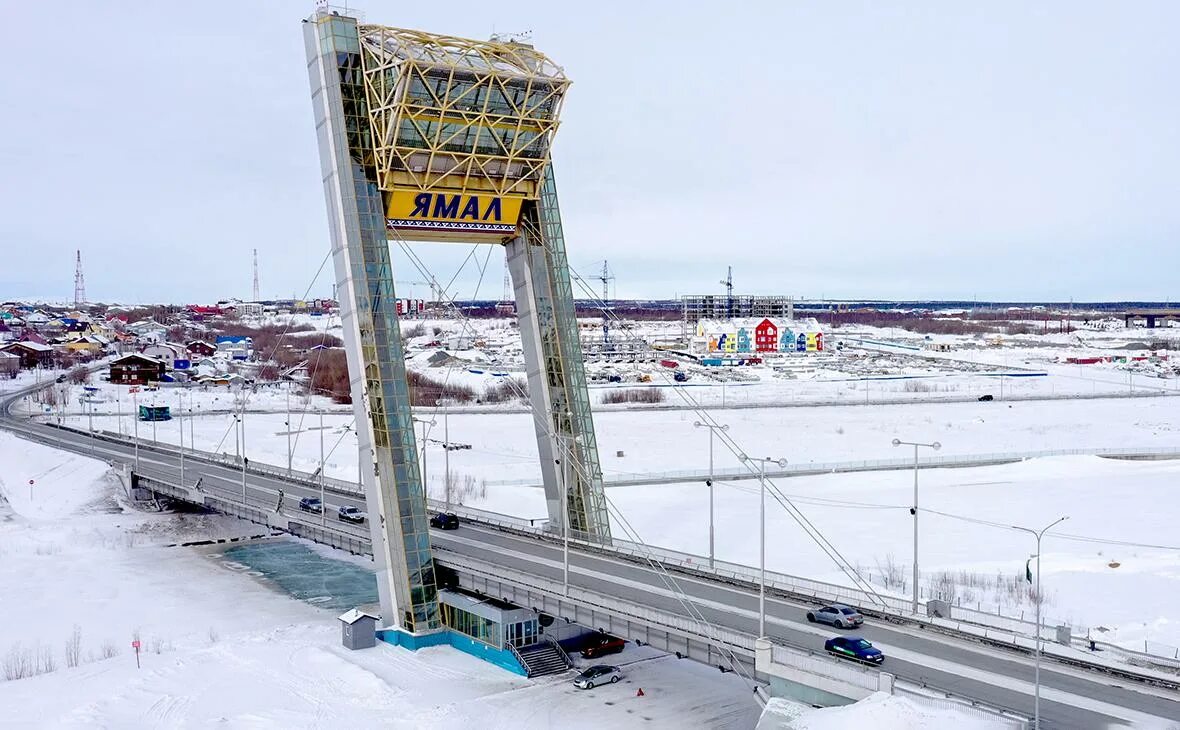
point(426, 137)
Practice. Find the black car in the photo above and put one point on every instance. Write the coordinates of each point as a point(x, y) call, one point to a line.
point(311, 504)
point(445, 521)
point(348, 513)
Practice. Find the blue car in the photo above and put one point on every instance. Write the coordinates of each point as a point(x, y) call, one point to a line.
point(854, 648)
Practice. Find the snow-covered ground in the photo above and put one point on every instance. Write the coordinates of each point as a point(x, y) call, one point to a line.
point(219, 647)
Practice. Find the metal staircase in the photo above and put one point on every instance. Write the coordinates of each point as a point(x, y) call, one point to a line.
point(543, 659)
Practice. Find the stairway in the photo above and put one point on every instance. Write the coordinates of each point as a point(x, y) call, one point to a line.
point(543, 659)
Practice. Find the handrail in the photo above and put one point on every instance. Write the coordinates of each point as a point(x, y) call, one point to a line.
point(977, 623)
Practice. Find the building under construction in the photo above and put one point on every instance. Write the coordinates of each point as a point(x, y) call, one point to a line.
point(696, 307)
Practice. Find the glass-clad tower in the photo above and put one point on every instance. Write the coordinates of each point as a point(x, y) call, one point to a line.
point(426, 137)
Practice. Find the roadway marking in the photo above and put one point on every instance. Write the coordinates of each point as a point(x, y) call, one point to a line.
point(952, 668)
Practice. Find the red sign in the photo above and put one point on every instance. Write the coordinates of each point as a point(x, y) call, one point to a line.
point(135, 644)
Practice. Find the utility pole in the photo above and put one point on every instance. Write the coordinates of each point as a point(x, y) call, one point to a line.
point(914, 510)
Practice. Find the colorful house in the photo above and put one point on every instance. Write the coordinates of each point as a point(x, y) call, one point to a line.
point(743, 340)
point(766, 336)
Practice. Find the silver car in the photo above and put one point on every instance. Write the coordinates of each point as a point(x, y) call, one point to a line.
point(596, 675)
point(838, 615)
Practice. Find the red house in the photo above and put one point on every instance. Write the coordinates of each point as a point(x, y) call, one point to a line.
point(766, 336)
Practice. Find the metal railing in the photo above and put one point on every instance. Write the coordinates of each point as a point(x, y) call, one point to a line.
point(924, 695)
point(986, 625)
point(836, 467)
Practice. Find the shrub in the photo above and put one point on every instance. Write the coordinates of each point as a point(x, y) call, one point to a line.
point(634, 395)
point(508, 389)
point(74, 647)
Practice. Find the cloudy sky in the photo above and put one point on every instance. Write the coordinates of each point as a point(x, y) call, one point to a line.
point(1001, 150)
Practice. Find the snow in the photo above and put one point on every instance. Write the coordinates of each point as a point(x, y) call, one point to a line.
point(219, 646)
point(878, 711)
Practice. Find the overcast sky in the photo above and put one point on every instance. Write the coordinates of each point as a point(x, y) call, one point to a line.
point(846, 150)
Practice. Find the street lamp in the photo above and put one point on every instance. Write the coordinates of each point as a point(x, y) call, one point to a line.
point(762, 534)
point(1037, 680)
point(425, 423)
point(914, 510)
point(709, 482)
point(567, 456)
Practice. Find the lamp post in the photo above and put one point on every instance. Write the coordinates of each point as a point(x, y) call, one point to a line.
point(914, 510)
point(709, 482)
point(762, 534)
point(566, 457)
point(425, 423)
point(135, 416)
point(323, 507)
point(180, 417)
point(287, 423)
point(1037, 681)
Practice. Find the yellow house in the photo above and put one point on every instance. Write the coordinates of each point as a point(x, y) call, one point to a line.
point(87, 344)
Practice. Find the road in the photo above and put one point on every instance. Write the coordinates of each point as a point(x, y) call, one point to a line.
point(1071, 698)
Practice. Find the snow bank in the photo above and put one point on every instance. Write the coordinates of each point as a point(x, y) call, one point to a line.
point(879, 712)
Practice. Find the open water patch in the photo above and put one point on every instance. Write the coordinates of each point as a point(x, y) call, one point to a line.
point(305, 574)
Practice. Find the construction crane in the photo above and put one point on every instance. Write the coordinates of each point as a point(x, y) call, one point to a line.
point(605, 277)
point(728, 282)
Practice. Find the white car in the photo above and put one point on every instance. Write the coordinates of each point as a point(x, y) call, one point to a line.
point(596, 675)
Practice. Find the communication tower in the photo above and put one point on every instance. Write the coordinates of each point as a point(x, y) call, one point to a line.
point(79, 281)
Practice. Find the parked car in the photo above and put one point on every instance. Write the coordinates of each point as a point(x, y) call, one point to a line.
point(986, 397)
point(680, 376)
point(838, 615)
point(598, 674)
point(311, 504)
point(445, 521)
point(854, 648)
point(601, 645)
point(348, 513)
point(614, 378)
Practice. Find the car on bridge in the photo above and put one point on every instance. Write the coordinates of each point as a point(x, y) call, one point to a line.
point(348, 513)
point(838, 615)
point(854, 648)
point(598, 674)
point(601, 645)
point(445, 521)
point(311, 504)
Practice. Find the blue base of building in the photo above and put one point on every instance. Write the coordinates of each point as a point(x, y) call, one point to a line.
point(500, 657)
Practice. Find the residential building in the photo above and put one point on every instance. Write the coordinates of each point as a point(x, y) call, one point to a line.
point(136, 369)
point(31, 354)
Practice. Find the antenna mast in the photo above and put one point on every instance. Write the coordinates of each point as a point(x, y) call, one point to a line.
point(256, 297)
point(79, 281)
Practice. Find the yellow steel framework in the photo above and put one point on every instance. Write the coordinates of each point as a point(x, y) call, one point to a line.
point(459, 116)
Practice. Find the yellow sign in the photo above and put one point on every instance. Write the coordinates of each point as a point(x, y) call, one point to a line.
point(444, 212)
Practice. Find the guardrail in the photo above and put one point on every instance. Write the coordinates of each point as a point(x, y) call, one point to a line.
point(837, 467)
point(819, 664)
point(924, 695)
point(985, 625)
